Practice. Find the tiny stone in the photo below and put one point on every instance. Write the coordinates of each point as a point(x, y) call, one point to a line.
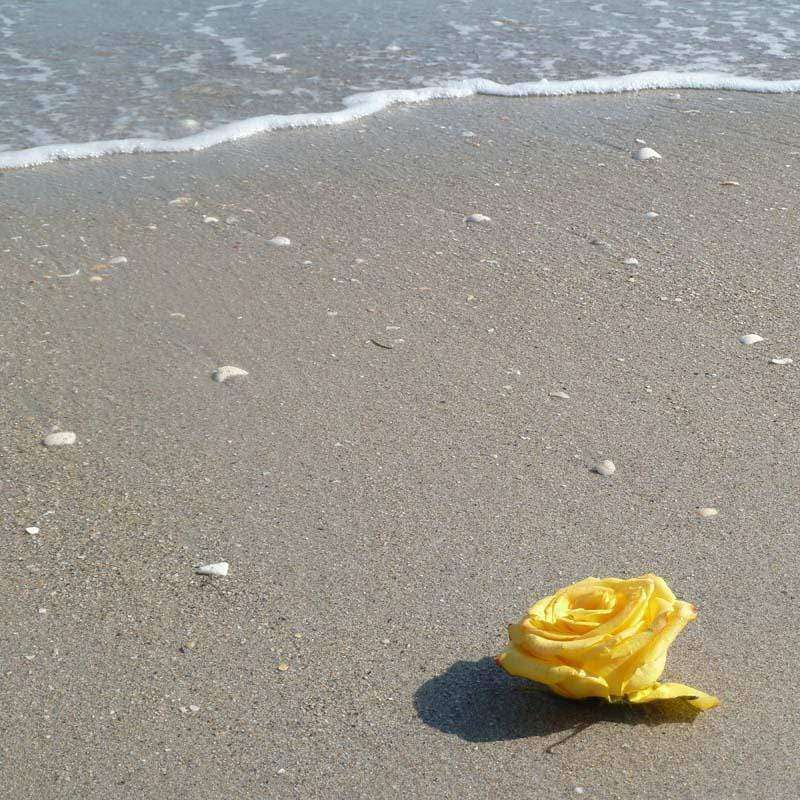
point(59, 439)
point(729, 183)
point(477, 218)
point(118, 260)
point(42, 610)
point(194, 708)
point(650, 215)
point(210, 219)
point(562, 395)
point(707, 512)
point(33, 530)
point(781, 362)
point(283, 667)
point(280, 241)
point(217, 570)
point(646, 154)
point(222, 374)
point(750, 338)
point(633, 262)
point(605, 468)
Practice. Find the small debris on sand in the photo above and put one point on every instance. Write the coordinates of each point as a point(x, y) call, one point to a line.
point(645, 154)
point(280, 241)
point(181, 201)
point(750, 338)
point(118, 260)
point(222, 374)
point(560, 395)
point(33, 530)
point(650, 215)
point(605, 468)
point(59, 439)
point(631, 262)
point(210, 219)
point(476, 218)
point(781, 362)
point(380, 343)
point(216, 570)
point(729, 183)
point(283, 667)
point(707, 512)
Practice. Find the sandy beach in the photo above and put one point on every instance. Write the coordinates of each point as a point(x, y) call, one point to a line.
point(394, 479)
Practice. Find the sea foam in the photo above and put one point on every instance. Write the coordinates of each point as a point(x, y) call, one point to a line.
point(366, 103)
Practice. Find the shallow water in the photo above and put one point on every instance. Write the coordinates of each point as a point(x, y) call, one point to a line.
point(105, 69)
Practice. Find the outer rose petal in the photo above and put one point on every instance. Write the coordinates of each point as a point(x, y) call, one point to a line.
point(562, 679)
point(669, 691)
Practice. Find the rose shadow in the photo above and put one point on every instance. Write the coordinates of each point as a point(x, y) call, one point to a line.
point(478, 702)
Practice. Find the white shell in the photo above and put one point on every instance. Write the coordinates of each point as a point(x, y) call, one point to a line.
point(750, 338)
point(633, 262)
point(217, 570)
point(561, 395)
point(707, 512)
point(32, 530)
point(605, 468)
point(59, 439)
point(645, 154)
point(221, 374)
point(477, 218)
point(781, 362)
point(280, 241)
point(651, 214)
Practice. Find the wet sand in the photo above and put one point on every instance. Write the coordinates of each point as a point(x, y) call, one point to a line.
point(393, 482)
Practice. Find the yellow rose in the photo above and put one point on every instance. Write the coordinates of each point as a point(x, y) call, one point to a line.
point(603, 638)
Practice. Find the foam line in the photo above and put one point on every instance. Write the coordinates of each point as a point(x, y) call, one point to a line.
point(367, 103)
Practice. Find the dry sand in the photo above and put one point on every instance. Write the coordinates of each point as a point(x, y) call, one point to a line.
point(387, 509)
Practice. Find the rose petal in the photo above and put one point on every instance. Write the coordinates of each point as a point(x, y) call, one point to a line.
point(670, 691)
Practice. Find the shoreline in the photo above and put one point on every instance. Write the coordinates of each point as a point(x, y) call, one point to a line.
point(387, 509)
point(358, 106)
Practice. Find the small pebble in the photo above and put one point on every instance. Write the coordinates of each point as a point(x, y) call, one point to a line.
point(181, 201)
point(605, 468)
point(750, 338)
point(217, 570)
point(59, 439)
point(222, 374)
point(118, 260)
point(210, 219)
point(650, 215)
point(645, 154)
point(280, 241)
point(283, 667)
point(477, 218)
point(562, 395)
point(194, 708)
point(729, 183)
point(640, 141)
point(707, 512)
point(633, 262)
point(781, 362)
point(33, 530)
